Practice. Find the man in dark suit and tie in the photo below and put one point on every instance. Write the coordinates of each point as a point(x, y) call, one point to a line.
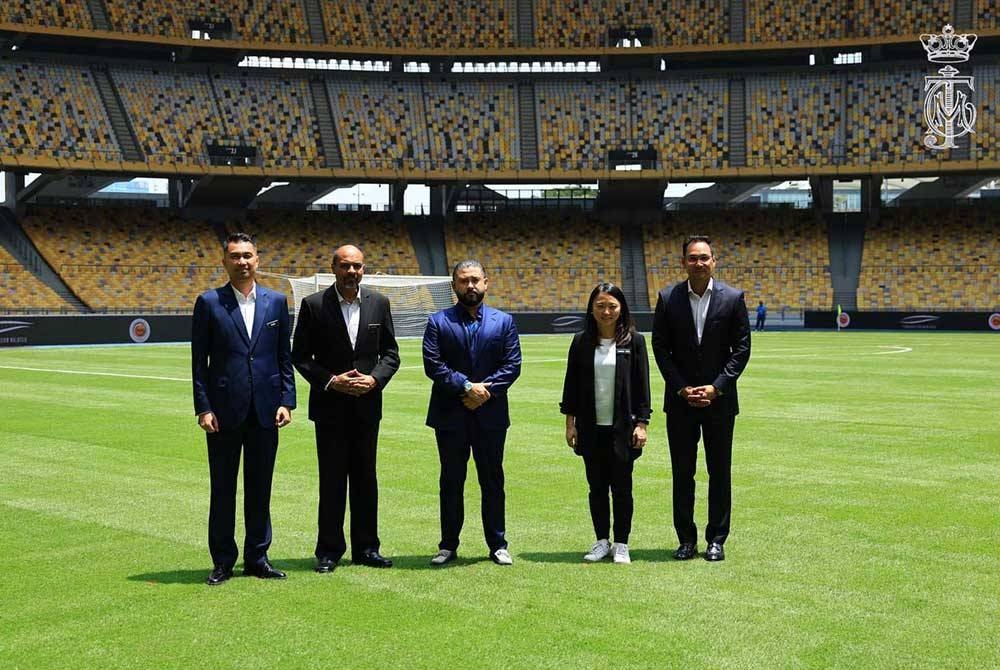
point(472, 354)
point(701, 342)
point(244, 391)
point(345, 347)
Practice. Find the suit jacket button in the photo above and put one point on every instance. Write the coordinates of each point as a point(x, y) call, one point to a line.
point(251, 359)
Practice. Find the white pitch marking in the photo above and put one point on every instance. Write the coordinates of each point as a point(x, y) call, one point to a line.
point(896, 349)
point(96, 374)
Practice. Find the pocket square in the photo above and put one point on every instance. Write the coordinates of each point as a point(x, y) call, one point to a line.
point(272, 324)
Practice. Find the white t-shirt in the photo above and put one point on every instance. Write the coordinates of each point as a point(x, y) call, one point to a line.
point(604, 381)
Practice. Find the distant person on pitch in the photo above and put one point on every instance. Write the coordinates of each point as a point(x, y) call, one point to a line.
point(244, 391)
point(606, 402)
point(472, 354)
point(701, 341)
point(345, 347)
point(761, 316)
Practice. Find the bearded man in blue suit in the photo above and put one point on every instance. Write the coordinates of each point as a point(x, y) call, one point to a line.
point(472, 353)
point(244, 391)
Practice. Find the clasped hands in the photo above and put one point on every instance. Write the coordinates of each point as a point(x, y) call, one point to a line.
point(477, 395)
point(353, 383)
point(699, 396)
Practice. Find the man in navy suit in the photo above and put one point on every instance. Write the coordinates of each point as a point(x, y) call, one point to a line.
point(244, 391)
point(701, 341)
point(472, 354)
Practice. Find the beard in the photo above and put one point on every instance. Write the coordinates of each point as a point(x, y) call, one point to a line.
point(470, 298)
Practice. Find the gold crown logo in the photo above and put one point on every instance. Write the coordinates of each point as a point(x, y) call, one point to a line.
point(948, 47)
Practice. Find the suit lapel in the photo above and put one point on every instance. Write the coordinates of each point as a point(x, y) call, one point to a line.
point(715, 304)
point(228, 300)
point(259, 314)
point(364, 315)
point(684, 304)
point(331, 305)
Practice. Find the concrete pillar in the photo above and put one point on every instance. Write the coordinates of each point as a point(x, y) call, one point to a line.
point(396, 192)
point(871, 193)
point(822, 193)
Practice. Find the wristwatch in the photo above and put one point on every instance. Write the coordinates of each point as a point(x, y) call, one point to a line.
point(466, 387)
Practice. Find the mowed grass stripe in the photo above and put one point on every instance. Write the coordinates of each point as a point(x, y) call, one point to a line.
point(865, 522)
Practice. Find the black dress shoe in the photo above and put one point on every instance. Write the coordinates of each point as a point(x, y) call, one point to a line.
point(263, 571)
point(372, 559)
point(325, 565)
point(686, 551)
point(219, 575)
point(715, 552)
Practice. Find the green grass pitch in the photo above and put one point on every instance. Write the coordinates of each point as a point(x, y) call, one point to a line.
point(865, 525)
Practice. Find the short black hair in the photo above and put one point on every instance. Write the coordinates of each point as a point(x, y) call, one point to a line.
point(467, 263)
point(236, 238)
point(696, 238)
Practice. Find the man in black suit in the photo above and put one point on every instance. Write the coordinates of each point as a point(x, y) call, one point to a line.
point(701, 341)
point(345, 347)
point(244, 391)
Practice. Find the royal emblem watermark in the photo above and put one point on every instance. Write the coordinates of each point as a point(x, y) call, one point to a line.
point(948, 111)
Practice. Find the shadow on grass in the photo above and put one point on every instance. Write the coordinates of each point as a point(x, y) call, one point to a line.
point(423, 562)
point(644, 555)
point(289, 565)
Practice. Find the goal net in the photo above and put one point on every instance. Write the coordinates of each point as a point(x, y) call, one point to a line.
point(412, 297)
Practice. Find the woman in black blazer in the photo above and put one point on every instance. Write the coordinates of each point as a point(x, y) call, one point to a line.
point(606, 403)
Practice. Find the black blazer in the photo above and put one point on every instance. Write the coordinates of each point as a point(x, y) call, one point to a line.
point(321, 348)
point(720, 358)
point(631, 394)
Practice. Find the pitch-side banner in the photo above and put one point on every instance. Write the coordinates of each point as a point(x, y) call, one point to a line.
point(20, 331)
point(853, 320)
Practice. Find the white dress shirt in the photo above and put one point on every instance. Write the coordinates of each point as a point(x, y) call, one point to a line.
point(248, 305)
point(352, 314)
point(699, 306)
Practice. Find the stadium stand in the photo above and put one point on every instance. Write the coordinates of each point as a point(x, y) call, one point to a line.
point(21, 290)
point(684, 120)
point(880, 111)
point(472, 123)
point(931, 259)
point(985, 143)
point(779, 256)
point(379, 122)
point(795, 120)
point(538, 261)
point(66, 14)
point(52, 109)
point(173, 112)
point(302, 243)
point(252, 20)
point(586, 23)
point(128, 258)
point(420, 23)
point(273, 112)
point(580, 121)
point(987, 14)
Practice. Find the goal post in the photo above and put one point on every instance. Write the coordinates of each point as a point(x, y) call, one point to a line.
point(412, 297)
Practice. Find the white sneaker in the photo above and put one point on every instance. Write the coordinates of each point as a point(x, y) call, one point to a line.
point(444, 556)
point(502, 557)
point(621, 553)
point(598, 552)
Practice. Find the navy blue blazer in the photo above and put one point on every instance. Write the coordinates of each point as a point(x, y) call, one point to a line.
point(447, 361)
point(230, 369)
point(720, 358)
